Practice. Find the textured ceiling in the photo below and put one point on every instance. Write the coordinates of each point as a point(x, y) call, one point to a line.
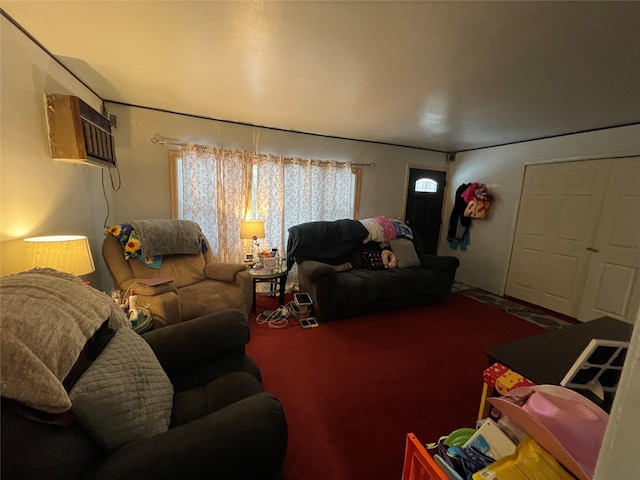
point(445, 76)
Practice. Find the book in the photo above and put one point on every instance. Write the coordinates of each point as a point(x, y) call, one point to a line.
point(490, 440)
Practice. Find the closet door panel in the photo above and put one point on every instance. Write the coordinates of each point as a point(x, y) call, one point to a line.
point(530, 246)
point(612, 286)
point(578, 195)
point(558, 218)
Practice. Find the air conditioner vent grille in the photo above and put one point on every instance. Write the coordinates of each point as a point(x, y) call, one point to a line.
point(77, 132)
point(94, 117)
point(97, 142)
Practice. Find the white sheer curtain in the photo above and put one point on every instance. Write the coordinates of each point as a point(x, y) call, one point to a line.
point(216, 194)
point(317, 191)
point(296, 191)
point(270, 199)
point(219, 191)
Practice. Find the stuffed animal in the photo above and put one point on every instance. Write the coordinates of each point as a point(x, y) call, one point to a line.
point(389, 259)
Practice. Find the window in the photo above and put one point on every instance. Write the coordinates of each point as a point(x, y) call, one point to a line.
point(425, 185)
point(279, 191)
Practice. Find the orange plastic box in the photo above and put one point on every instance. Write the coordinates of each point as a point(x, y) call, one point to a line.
point(418, 463)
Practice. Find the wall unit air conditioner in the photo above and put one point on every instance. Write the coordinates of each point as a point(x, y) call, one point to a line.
point(78, 133)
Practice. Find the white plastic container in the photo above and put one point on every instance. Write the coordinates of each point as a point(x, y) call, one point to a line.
point(133, 307)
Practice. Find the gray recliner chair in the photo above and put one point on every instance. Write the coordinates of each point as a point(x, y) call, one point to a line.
point(223, 425)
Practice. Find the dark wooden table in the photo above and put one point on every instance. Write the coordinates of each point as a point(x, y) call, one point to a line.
point(546, 358)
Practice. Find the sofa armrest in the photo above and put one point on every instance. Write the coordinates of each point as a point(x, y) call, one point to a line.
point(246, 440)
point(165, 308)
point(201, 340)
point(140, 289)
point(225, 272)
point(236, 273)
point(161, 300)
point(439, 262)
point(318, 280)
point(445, 268)
point(312, 271)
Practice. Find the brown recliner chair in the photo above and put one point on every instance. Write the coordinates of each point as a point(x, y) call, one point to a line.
point(200, 284)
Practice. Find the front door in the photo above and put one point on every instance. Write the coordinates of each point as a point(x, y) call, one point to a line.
point(423, 206)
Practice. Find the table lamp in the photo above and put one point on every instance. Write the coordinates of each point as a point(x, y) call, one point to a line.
point(252, 230)
point(65, 253)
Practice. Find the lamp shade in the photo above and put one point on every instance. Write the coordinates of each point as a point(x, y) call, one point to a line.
point(252, 228)
point(66, 253)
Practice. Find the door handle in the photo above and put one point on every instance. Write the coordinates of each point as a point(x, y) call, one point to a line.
point(595, 250)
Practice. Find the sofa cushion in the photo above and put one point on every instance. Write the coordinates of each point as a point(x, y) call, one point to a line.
point(217, 394)
point(390, 283)
point(361, 286)
point(182, 269)
point(125, 394)
point(350, 288)
point(418, 281)
point(405, 253)
point(209, 296)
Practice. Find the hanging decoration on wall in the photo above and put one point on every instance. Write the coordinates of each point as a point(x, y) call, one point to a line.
point(478, 201)
point(472, 202)
point(457, 216)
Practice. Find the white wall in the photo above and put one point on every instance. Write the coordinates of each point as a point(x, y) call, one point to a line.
point(145, 174)
point(40, 196)
point(485, 264)
point(619, 457)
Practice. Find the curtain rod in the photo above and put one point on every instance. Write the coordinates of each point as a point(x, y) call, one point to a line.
point(160, 140)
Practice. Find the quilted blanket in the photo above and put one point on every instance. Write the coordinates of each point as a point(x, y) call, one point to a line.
point(47, 318)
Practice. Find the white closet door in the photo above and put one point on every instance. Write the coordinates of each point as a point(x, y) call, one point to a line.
point(612, 285)
point(557, 221)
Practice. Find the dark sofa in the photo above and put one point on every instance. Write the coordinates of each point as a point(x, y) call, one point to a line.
point(324, 251)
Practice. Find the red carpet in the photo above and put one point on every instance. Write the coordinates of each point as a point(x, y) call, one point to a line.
point(352, 389)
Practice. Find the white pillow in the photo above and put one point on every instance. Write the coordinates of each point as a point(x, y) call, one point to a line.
point(125, 394)
point(405, 253)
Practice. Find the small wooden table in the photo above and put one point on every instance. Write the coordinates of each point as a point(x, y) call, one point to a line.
point(277, 277)
point(546, 358)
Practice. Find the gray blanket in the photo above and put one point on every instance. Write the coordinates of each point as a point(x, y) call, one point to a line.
point(47, 318)
point(329, 242)
point(168, 237)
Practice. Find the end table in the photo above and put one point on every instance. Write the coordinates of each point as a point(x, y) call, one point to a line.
point(277, 277)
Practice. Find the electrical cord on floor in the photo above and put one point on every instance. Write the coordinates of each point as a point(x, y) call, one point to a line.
point(278, 318)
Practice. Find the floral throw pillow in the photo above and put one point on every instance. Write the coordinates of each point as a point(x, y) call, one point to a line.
point(130, 242)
